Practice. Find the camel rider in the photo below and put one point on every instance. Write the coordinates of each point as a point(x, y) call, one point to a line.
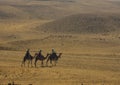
point(28, 53)
point(53, 52)
point(40, 52)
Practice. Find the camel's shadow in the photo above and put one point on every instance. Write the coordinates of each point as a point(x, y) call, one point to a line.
point(46, 66)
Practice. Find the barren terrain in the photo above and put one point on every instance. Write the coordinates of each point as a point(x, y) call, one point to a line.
point(86, 32)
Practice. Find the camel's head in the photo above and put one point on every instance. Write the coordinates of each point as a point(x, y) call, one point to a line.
point(48, 54)
point(60, 55)
point(36, 54)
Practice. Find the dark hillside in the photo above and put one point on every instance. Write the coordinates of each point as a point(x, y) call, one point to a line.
point(84, 23)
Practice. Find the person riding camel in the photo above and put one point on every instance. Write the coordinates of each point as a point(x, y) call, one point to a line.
point(27, 53)
point(53, 52)
point(40, 52)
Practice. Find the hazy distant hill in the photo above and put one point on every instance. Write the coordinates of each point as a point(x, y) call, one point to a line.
point(84, 23)
point(53, 9)
point(32, 9)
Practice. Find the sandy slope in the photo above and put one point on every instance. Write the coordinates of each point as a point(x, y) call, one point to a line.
point(90, 58)
point(52, 9)
point(84, 24)
point(71, 69)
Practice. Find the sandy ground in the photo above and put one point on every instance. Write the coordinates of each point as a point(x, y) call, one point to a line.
point(87, 59)
point(71, 69)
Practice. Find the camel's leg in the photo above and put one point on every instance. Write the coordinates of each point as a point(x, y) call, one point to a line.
point(47, 62)
point(28, 62)
point(23, 62)
point(31, 63)
point(51, 62)
point(35, 62)
point(55, 62)
point(42, 63)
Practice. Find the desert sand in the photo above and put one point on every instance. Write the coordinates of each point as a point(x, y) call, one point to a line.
point(85, 32)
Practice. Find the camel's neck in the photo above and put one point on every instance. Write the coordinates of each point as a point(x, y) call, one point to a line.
point(59, 55)
point(46, 56)
point(33, 57)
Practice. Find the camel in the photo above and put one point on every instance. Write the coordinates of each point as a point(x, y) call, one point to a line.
point(40, 57)
point(29, 58)
point(53, 57)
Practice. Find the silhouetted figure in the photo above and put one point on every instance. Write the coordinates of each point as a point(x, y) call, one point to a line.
point(40, 53)
point(39, 56)
point(53, 57)
point(27, 53)
point(53, 53)
point(27, 57)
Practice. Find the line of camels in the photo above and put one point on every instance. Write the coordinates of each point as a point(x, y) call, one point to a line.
point(49, 57)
